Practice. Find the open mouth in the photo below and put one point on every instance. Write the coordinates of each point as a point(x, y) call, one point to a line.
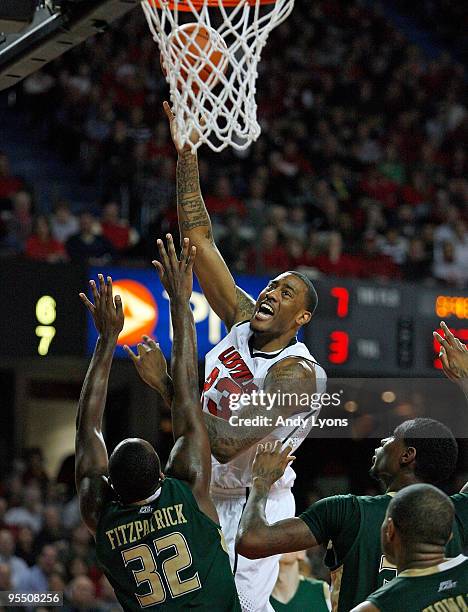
point(264, 312)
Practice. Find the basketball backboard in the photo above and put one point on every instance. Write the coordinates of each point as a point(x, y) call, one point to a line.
point(58, 25)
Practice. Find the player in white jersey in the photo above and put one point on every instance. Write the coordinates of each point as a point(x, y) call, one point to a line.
point(260, 352)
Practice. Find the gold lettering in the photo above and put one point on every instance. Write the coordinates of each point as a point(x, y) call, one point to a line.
point(461, 601)
point(169, 509)
point(146, 527)
point(122, 531)
point(164, 511)
point(116, 532)
point(111, 539)
point(132, 538)
point(159, 519)
point(139, 529)
point(180, 517)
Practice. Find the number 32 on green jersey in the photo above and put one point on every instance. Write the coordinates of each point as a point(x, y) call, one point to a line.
point(170, 568)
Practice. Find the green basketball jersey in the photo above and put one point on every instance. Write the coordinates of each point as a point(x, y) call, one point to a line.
point(310, 595)
point(350, 526)
point(167, 555)
point(441, 588)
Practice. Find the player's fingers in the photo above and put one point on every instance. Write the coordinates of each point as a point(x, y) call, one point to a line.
point(172, 252)
point(102, 286)
point(163, 254)
point(118, 305)
point(94, 291)
point(442, 341)
point(286, 450)
point(460, 344)
point(260, 449)
point(443, 358)
point(184, 252)
point(268, 447)
point(130, 353)
point(191, 258)
point(290, 459)
point(159, 268)
point(109, 290)
point(140, 349)
point(150, 342)
point(448, 334)
point(168, 111)
point(276, 447)
point(87, 303)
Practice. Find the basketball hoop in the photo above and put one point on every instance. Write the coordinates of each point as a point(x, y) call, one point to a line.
point(212, 85)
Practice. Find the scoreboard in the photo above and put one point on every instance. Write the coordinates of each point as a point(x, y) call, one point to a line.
point(41, 314)
point(360, 328)
point(364, 328)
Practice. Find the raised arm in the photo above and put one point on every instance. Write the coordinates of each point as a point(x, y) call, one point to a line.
point(256, 538)
point(190, 459)
point(229, 302)
point(91, 464)
point(454, 358)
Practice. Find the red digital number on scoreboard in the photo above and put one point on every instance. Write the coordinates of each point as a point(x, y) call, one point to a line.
point(338, 348)
point(342, 296)
point(461, 334)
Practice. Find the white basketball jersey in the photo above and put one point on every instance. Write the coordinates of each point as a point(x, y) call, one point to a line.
point(234, 367)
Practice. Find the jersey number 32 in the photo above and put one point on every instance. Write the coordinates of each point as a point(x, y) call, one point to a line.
point(170, 568)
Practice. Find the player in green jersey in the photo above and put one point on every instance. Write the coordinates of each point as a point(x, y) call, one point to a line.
point(419, 450)
point(296, 593)
point(417, 526)
point(158, 538)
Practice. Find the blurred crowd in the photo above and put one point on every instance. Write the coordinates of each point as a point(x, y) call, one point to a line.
point(360, 170)
point(44, 546)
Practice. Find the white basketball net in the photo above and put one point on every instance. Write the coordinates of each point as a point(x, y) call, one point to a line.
point(224, 114)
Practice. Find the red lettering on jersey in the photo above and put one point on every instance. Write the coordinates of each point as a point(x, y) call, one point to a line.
point(237, 367)
point(211, 378)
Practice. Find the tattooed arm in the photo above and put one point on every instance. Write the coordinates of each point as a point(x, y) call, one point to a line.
point(256, 538)
point(285, 383)
point(229, 302)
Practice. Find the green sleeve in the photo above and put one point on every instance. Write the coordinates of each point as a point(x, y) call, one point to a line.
point(460, 501)
point(337, 519)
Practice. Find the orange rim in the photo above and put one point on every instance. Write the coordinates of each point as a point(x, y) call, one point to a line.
point(183, 5)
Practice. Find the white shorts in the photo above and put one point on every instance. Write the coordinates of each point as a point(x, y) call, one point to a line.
point(255, 578)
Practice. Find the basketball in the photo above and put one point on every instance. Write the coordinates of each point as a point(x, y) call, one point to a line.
point(196, 48)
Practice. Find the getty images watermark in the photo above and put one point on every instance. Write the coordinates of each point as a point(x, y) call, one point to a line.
point(311, 404)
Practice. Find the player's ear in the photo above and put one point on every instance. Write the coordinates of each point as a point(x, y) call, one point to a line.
point(390, 529)
point(408, 456)
point(303, 318)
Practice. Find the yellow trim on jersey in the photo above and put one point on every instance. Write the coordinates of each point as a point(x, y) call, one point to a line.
point(336, 576)
point(434, 569)
point(326, 594)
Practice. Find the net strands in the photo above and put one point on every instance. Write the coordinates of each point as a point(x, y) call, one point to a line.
point(224, 114)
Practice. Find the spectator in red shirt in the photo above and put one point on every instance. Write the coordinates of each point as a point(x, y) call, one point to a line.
point(41, 246)
point(116, 230)
point(373, 264)
point(333, 262)
point(223, 201)
point(269, 257)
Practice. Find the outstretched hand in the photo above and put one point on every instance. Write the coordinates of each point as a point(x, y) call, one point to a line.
point(271, 462)
point(150, 364)
point(176, 275)
point(454, 356)
point(176, 138)
point(107, 311)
